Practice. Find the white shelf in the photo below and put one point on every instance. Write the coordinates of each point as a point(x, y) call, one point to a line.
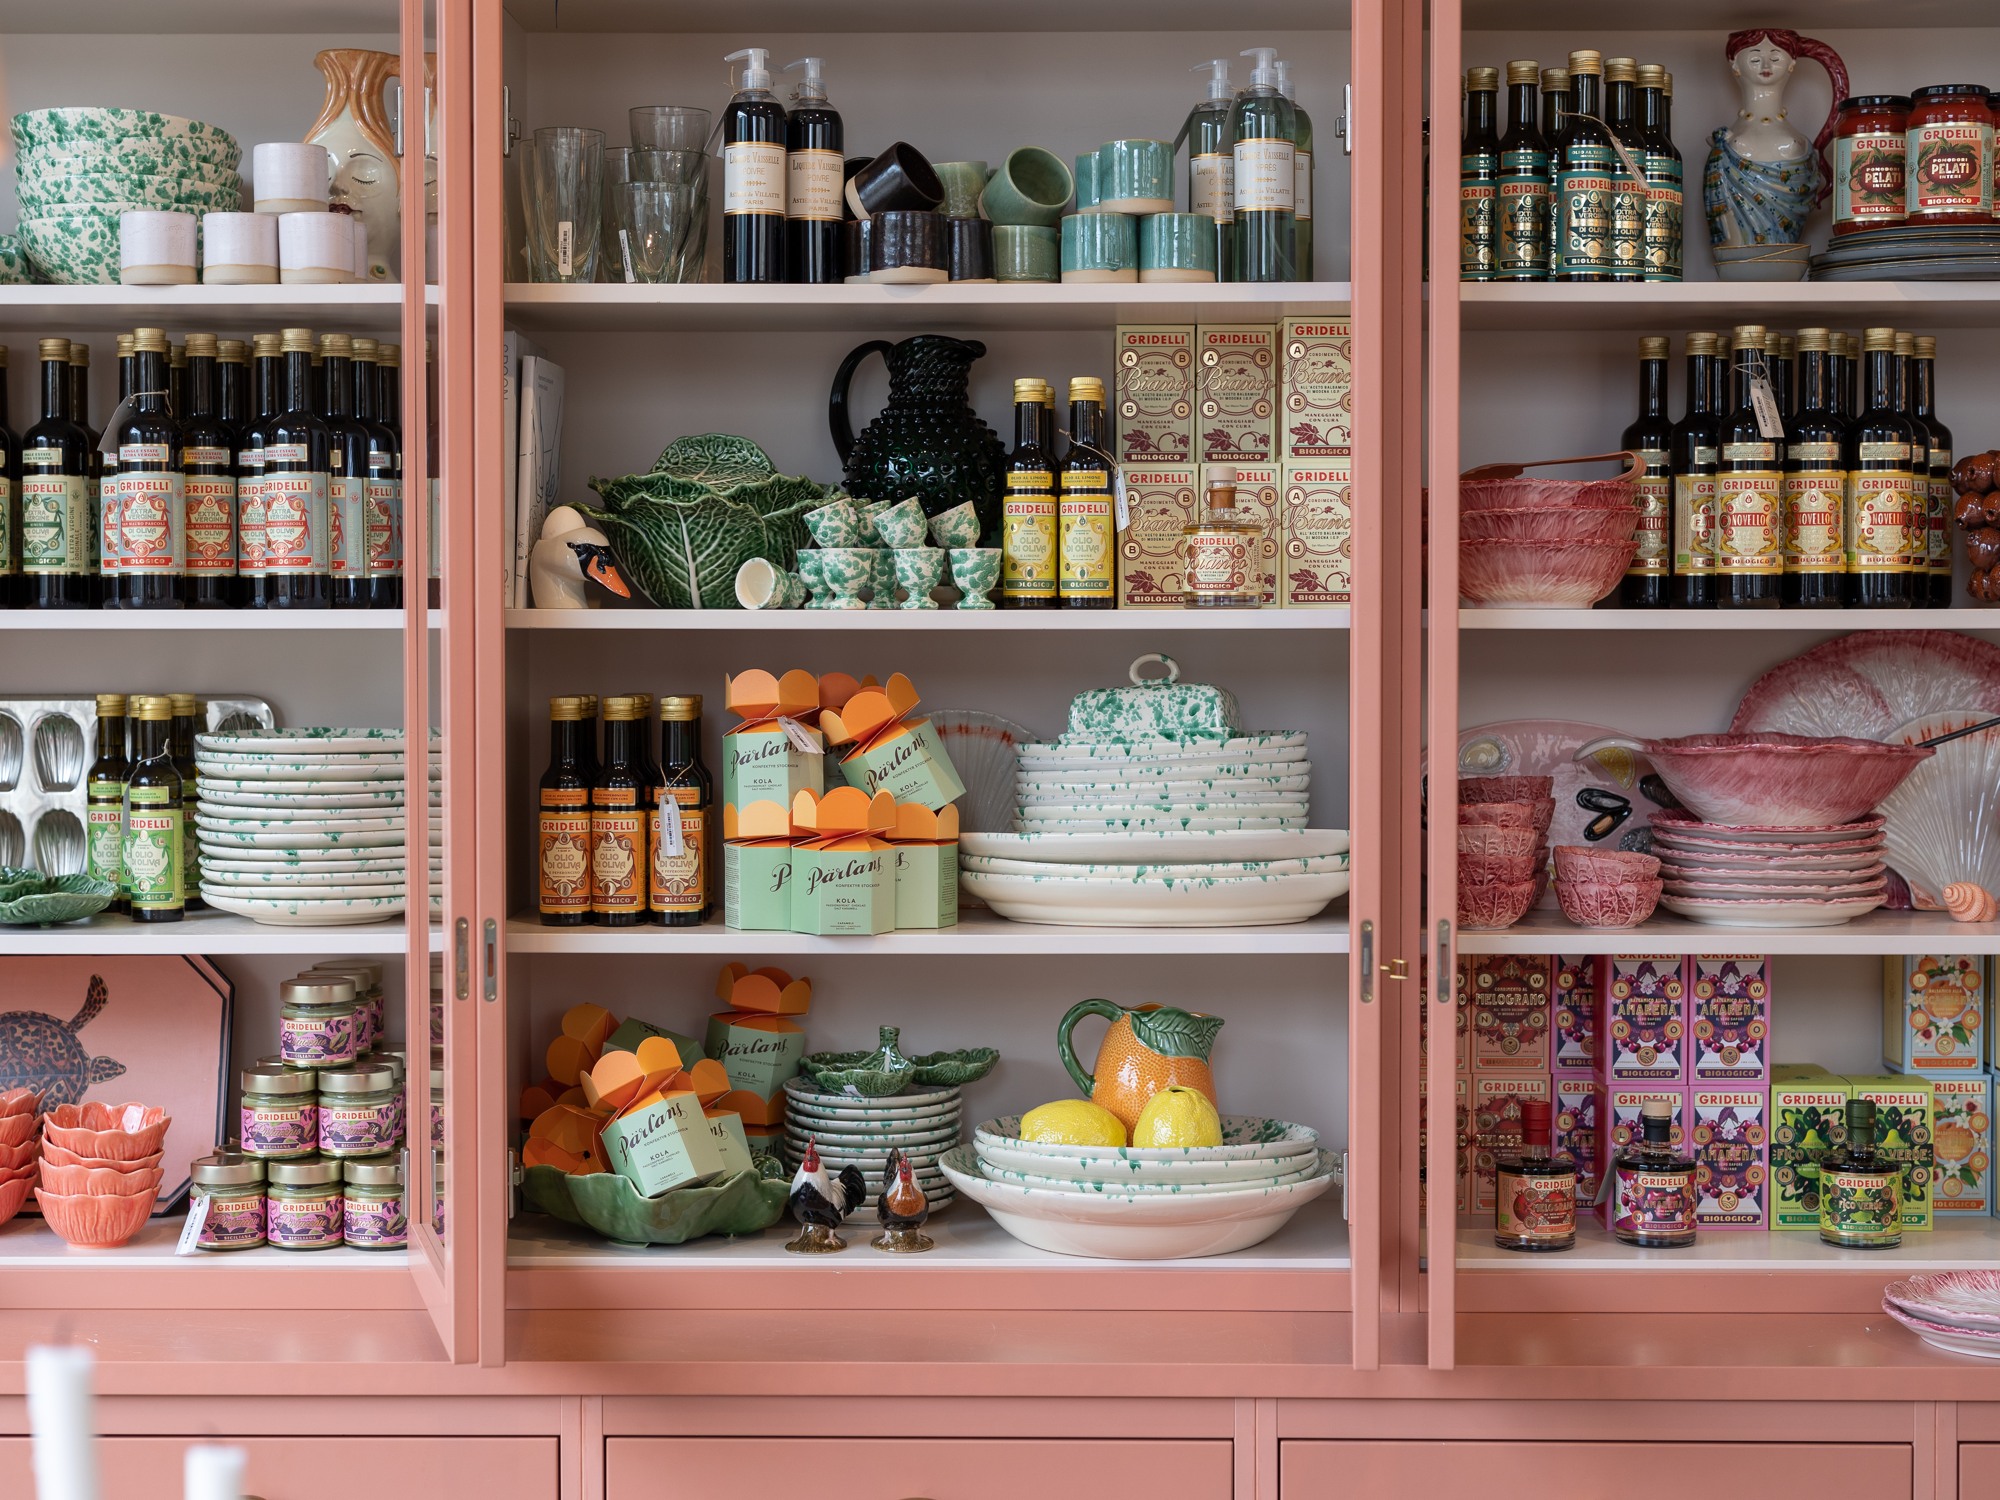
point(1722, 15)
point(220, 309)
point(978, 932)
point(205, 932)
point(967, 1240)
point(1549, 931)
point(921, 16)
point(1531, 307)
point(1974, 1241)
point(955, 621)
point(207, 621)
point(1671, 621)
point(795, 309)
point(28, 1244)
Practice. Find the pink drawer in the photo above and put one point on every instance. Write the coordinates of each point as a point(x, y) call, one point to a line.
point(900, 1468)
point(1633, 1471)
point(1978, 1469)
point(320, 1468)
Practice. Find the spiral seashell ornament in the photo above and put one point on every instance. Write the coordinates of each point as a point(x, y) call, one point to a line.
point(1970, 903)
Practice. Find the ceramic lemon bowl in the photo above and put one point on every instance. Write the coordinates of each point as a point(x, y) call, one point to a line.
point(1244, 1138)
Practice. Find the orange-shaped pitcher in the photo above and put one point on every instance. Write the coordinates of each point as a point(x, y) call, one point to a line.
point(1148, 1048)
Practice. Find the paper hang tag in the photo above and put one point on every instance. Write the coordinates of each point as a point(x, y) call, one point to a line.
point(1605, 1183)
point(625, 255)
point(1764, 400)
point(800, 736)
point(1119, 503)
point(565, 249)
point(1633, 167)
point(670, 826)
point(197, 1220)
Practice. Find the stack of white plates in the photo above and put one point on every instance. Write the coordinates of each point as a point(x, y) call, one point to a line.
point(1253, 782)
point(307, 827)
point(850, 1131)
point(1144, 1203)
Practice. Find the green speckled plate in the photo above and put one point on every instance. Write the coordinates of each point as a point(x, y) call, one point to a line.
point(744, 1204)
point(1134, 1187)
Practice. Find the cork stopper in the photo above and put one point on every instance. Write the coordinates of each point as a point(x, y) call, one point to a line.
point(1652, 348)
point(110, 705)
point(561, 709)
point(1621, 70)
point(680, 708)
point(297, 340)
point(54, 349)
point(201, 346)
point(1585, 61)
point(1656, 1109)
point(232, 351)
point(1482, 80)
point(1525, 71)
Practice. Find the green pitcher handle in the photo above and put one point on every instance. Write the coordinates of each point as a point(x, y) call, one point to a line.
point(1084, 1081)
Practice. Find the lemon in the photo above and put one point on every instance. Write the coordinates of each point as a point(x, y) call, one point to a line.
point(1178, 1116)
point(1073, 1122)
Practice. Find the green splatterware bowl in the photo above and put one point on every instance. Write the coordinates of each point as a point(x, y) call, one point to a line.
point(78, 250)
point(45, 902)
point(95, 193)
point(41, 170)
point(90, 126)
point(743, 1204)
point(15, 269)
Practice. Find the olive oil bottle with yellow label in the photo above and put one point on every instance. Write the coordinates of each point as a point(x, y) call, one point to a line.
point(1085, 522)
point(180, 745)
point(104, 790)
point(1028, 544)
point(154, 851)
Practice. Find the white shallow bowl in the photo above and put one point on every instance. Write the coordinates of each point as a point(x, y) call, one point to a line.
point(302, 841)
point(1117, 1171)
point(289, 741)
point(294, 772)
point(274, 789)
point(1163, 823)
point(858, 1120)
point(1088, 785)
point(1250, 744)
point(1202, 901)
point(1135, 1189)
point(986, 865)
point(391, 797)
point(1062, 847)
point(263, 892)
point(1770, 913)
point(301, 882)
point(873, 1142)
point(1244, 1138)
point(230, 820)
point(1243, 807)
point(277, 912)
point(1943, 1336)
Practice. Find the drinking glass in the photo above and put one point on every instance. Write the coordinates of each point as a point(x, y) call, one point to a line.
point(564, 195)
point(653, 218)
point(669, 127)
point(682, 168)
point(617, 170)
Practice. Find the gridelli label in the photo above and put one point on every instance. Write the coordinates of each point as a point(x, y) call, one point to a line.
point(154, 851)
point(1694, 523)
point(1522, 218)
point(152, 521)
point(55, 524)
point(210, 506)
point(1815, 530)
point(346, 497)
point(1880, 513)
point(1665, 217)
point(385, 528)
point(1584, 190)
point(678, 882)
point(1868, 186)
point(296, 523)
point(1950, 170)
point(1478, 213)
point(1655, 530)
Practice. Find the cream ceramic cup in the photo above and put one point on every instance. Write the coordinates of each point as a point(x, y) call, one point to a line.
point(290, 176)
point(239, 249)
point(156, 248)
point(315, 247)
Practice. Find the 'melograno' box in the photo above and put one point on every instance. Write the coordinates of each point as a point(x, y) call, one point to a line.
point(1317, 567)
point(1237, 396)
point(1160, 503)
point(1156, 395)
point(1318, 420)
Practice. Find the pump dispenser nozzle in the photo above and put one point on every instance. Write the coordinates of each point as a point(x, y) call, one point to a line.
point(1285, 79)
point(1218, 77)
point(812, 86)
point(756, 72)
point(1265, 74)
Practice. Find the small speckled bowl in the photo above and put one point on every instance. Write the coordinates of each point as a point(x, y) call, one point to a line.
point(68, 127)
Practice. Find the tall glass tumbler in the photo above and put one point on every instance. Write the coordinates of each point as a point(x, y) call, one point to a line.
point(689, 170)
point(564, 197)
point(669, 127)
point(653, 219)
point(617, 170)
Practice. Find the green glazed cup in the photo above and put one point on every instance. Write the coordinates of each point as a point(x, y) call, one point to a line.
point(963, 182)
point(882, 578)
point(1135, 177)
point(1026, 252)
point(1031, 187)
point(1086, 182)
point(1100, 247)
point(902, 524)
point(812, 573)
point(957, 527)
point(849, 572)
point(1177, 247)
point(919, 570)
point(836, 525)
point(976, 572)
point(762, 584)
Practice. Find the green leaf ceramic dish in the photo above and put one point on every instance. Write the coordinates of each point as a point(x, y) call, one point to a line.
point(887, 1071)
point(744, 1204)
point(31, 900)
point(715, 459)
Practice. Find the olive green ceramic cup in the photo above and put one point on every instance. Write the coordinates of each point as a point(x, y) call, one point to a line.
point(1177, 247)
point(1031, 187)
point(1100, 247)
point(1026, 252)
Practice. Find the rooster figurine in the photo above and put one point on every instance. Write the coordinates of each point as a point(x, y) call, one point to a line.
point(902, 1209)
point(820, 1202)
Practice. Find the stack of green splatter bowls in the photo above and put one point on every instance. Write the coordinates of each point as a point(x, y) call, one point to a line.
point(78, 169)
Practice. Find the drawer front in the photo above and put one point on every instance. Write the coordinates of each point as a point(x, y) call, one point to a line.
point(902, 1468)
point(1633, 1471)
point(320, 1468)
point(1978, 1469)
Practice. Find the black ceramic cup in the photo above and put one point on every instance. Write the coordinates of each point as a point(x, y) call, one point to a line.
point(900, 178)
point(848, 168)
point(908, 245)
point(971, 249)
point(855, 235)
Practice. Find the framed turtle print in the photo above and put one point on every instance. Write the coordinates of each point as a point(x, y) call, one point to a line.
point(141, 1029)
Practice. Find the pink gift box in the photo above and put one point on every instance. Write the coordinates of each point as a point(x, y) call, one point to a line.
point(1641, 1032)
point(1729, 1019)
point(1508, 994)
point(1730, 1140)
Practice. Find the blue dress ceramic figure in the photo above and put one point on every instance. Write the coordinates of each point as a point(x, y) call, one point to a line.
point(1763, 176)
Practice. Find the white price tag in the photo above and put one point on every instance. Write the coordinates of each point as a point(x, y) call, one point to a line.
point(670, 828)
point(1119, 504)
point(801, 736)
point(197, 1220)
point(1764, 400)
point(625, 255)
point(565, 248)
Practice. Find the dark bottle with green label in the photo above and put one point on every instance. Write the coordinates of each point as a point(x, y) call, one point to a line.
point(1555, 119)
point(150, 505)
point(1628, 185)
point(1266, 181)
point(1651, 437)
point(79, 411)
point(753, 176)
point(1696, 453)
point(58, 537)
point(104, 791)
point(1479, 178)
point(1585, 167)
point(1522, 219)
point(385, 486)
point(1665, 211)
point(10, 500)
point(297, 451)
point(347, 476)
point(1860, 1191)
point(155, 872)
point(1923, 412)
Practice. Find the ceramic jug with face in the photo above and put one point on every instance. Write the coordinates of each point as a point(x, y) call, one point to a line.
point(1147, 1048)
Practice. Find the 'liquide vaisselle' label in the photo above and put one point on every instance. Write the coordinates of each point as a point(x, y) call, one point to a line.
point(813, 183)
point(1266, 176)
point(753, 178)
point(1212, 187)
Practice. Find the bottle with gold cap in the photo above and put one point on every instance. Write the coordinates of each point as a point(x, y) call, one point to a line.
point(1522, 221)
point(1585, 168)
point(1882, 507)
point(1665, 207)
point(1028, 547)
point(267, 383)
point(1628, 178)
point(10, 498)
point(618, 861)
point(110, 515)
point(1815, 483)
point(1651, 436)
point(154, 848)
point(208, 484)
point(1087, 560)
point(58, 539)
point(1696, 452)
point(347, 481)
point(297, 483)
point(562, 834)
point(104, 793)
point(180, 744)
point(1555, 120)
point(177, 360)
point(385, 486)
point(151, 502)
point(1047, 429)
point(679, 888)
point(79, 410)
point(1479, 177)
point(1923, 411)
point(591, 734)
point(1749, 486)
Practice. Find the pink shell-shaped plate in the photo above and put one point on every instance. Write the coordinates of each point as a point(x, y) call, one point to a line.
point(1961, 1299)
point(62, 1156)
point(94, 1223)
point(12, 1195)
point(103, 1182)
point(1784, 780)
point(1870, 682)
point(20, 1102)
point(1565, 524)
point(1540, 575)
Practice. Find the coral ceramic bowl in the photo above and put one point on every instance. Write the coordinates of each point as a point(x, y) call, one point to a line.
point(1501, 843)
point(23, 1155)
point(62, 1156)
point(13, 1195)
point(1773, 780)
point(16, 1130)
point(1549, 526)
point(94, 1223)
point(1540, 575)
point(1597, 903)
point(1492, 906)
point(20, 1102)
point(1574, 862)
point(101, 1182)
point(113, 1132)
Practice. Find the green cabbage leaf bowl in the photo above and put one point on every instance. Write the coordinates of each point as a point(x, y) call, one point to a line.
point(750, 1201)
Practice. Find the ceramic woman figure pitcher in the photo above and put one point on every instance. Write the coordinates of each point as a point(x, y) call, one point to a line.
point(354, 125)
point(1148, 1048)
point(1763, 176)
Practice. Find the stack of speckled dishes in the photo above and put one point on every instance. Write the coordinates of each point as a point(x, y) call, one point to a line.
point(306, 827)
point(922, 1123)
point(78, 169)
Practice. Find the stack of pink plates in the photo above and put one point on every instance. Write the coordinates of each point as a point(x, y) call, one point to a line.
point(1954, 1310)
point(1729, 875)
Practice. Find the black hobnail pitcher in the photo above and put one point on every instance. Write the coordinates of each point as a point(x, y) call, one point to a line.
point(927, 441)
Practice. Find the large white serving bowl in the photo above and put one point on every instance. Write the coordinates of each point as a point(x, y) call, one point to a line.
point(1244, 1138)
point(1308, 1167)
point(1169, 1227)
point(1111, 1171)
point(1070, 812)
point(1157, 848)
point(1200, 901)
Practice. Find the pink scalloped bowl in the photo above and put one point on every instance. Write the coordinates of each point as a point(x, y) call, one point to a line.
point(1776, 780)
point(1540, 575)
point(1577, 523)
point(1967, 1299)
point(1536, 815)
point(1487, 907)
point(134, 1130)
point(1510, 843)
point(94, 1223)
point(62, 1156)
point(1473, 789)
point(18, 1130)
point(1524, 493)
point(101, 1182)
point(23, 1155)
point(29, 1173)
point(1687, 848)
point(1574, 862)
point(20, 1102)
point(13, 1195)
point(1475, 869)
point(1597, 903)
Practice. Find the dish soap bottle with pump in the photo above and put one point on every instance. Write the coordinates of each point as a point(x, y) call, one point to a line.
point(813, 180)
point(1302, 173)
point(1211, 138)
point(1266, 170)
point(753, 175)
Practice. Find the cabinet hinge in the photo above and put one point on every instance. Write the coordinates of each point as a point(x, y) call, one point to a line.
point(462, 959)
point(515, 1177)
point(1345, 1183)
point(510, 132)
point(1344, 126)
point(1367, 963)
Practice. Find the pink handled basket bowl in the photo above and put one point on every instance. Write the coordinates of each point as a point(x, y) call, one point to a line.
point(1774, 780)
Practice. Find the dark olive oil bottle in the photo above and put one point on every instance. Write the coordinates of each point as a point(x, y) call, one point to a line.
point(1522, 220)
point(1696, 443)
point(813, 180)
point(753, 176)
point(1647, 580)
point(58, 537)
point(10, 500)
point(1628, 186)
point(1882, 505)
point(618, 855)
point(1028, 545)
point(151, 505)
point(347, 476)
point(1816, 483)
point(1585, 168)
point(1750, 483)
point(104, 789)
point(297, 449)
point(385, 486)
point(562, 834)
point(1923, 412)
point(1479, 178)
point(680, 884)
point(180, 745)
point(208, 483)
point(79, 411)
point(154, 852)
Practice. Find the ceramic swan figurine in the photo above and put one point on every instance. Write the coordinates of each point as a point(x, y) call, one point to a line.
point(1763, 176)
point(569, 557)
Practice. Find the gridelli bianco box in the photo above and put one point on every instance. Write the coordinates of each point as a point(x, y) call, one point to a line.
point(1237, 394)
point(1160, 504)
point(1316, 568)
point(1317, 419)
point(1155, 394)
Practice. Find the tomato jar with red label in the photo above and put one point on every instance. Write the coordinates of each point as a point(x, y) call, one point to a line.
point(1948, 155)
point(1869, 137)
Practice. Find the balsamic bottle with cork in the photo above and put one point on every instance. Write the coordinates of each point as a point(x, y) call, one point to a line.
point(1652, 1185)
point(1479, 178)
point(180, 745)
point(1882, 507)
point(1628, 185)
point(153, 850)
point(1750, 483)
point(79, 410)
point(347, 476)
point(1665, 208)
point(1534, 1205)
point(618, 821)
point(1860, 1190)
point(298, 465)
point(385, 486)
point(753, 175)
point(1028, 546)
point(1815, 483)
point(1585, 168)
point(1923, 410)
point(10, 500)
point(562, 832)
point(1697, 440)
point(813, 180)
point(1085, 527)
point(208, 483)
point(151, 504)
point(1646, 581)
point(104, 791)
point(58, 540)
point(1266, 175)
point(1522, 220)
point(680, 888)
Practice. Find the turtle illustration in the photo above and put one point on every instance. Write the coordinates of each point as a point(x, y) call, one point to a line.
point(41, 1053)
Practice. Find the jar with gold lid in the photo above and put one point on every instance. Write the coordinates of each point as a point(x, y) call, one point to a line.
point(371, 1012)
point(303, 1207)
point(360, 1110)
point(376, 1217)
point(280, 1113)
point(317, 1027)
point(233, 1183)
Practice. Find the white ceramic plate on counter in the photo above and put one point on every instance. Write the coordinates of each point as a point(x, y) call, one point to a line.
point(315, 741)
point(1165, 848)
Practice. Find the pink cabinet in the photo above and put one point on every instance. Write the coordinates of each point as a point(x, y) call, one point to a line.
point(146, 1468)
point(1631, 1470)
point(935, 1468)
point(1978, 1469)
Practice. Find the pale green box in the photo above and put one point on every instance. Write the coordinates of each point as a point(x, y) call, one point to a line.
point(846, 888)
point(1905, 1126)
point(763, 764)
point(664, 1146)
point(760, 1053)
point(731, 1143)
point(634, 1031)
point(926, 885)
point(910, 763)
point(757, 886)
point(1808, 1119)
